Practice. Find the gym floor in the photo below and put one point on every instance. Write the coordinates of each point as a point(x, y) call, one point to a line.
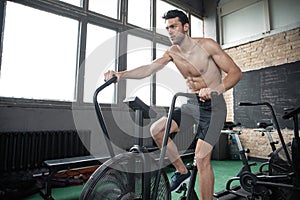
point(223, 169)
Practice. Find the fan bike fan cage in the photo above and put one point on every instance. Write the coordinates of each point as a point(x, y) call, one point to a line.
point(121, 178)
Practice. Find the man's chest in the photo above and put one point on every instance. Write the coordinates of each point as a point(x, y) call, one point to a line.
point(194, 63)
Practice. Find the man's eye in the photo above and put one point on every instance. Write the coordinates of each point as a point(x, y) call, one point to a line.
point(171, 27)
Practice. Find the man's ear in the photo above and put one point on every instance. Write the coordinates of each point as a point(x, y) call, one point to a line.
point(186, 27)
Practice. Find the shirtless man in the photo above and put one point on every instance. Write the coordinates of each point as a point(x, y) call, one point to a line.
point(200, 61)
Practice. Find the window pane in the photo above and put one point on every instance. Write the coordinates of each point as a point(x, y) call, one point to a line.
point(162, 8)
point(100, 56)
point(73, 2)
point(284, 13)
point(141, 16)
point(138, 53)
point(39, 55)
point(168, 81)
point(196, 27)
point(109, 8)
point(234, 22)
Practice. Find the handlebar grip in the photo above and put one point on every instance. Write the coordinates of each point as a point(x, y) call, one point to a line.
point(247, 104)
point(250, 104)
point(195, 95)
point(113, 79)
point(255, 104)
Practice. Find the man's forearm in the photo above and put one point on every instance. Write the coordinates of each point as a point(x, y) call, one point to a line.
point(232, 79)
point(140, 72)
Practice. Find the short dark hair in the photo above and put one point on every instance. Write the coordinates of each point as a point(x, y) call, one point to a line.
point(176, 13)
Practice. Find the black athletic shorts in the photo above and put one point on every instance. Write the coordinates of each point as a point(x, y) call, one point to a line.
point(209, 116)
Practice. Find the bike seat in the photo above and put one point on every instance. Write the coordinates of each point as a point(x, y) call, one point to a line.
point(135, 103)
point(264, 125)
point(230, 125)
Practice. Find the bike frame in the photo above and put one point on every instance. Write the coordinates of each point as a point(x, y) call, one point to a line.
point(166, 137)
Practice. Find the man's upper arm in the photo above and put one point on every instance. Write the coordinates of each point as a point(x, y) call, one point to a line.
point(221, 58)
point(163, 60)
point(226, 64)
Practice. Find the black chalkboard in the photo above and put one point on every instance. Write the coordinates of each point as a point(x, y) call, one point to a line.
point(278, 85)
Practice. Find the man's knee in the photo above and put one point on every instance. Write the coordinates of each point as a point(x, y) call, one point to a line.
point(203, 155)
point(158, 127)
point(203, 163)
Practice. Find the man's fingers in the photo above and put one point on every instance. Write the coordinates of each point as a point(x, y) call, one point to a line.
point(204, 94)
point(108, 75)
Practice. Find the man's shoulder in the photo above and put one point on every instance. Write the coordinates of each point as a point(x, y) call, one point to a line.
point(209, 44)
point(173, 48)
point(203, 40)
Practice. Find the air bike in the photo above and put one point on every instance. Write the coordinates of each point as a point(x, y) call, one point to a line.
point(135, 174)
point(281, 180)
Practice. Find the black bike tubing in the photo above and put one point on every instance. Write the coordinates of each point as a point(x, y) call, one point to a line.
point(100, 116)
point(276, 124)
point(295, 145)
point(294, 114)
point(165, 139)
point(280, 134)
point(191, 193)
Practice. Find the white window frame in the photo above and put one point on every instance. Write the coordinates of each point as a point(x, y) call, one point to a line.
point(226, 7)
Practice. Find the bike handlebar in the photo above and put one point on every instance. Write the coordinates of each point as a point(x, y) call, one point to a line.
point(275, 121)
point(193, 95)
point(166, 134)
point(292, 113)
point(113, 79)
point(254, 103)
point(100, 117)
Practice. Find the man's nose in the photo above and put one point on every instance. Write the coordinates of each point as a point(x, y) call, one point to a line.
point(170, 31)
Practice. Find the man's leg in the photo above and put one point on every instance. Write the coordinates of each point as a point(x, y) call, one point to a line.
point(182, 174)
point(157, 131)
point(203, 153)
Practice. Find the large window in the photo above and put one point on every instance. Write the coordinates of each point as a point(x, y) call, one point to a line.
point(255, 23)
point(244, 21)
point(196, 27)
point(162, 8)
point(100, 56)
point(139, 52)
point(168, 81)
point(141, 16)
point(39, 55)
point(60, 53)
point(284, 13)
point(109, 8)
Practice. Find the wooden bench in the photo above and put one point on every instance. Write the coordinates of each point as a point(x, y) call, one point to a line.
point(57, 165)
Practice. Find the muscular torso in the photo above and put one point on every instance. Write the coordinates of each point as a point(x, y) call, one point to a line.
point(195, 65)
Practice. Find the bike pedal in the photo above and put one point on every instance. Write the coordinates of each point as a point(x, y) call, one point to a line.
point(189, 166)
point(182, 188)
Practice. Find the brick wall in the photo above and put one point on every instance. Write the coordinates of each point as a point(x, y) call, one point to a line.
point(267, 52)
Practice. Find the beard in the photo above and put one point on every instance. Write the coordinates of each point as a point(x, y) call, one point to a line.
point(177, 38)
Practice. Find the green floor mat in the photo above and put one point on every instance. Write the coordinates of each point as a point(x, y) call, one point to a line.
point(223, 170)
